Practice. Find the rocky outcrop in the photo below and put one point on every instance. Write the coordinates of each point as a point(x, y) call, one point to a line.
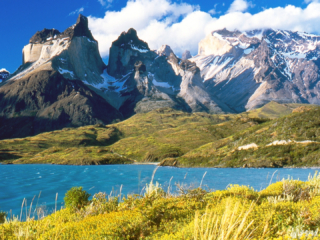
point(4, 74)
point(186, 55)
point(46, 101)
point(74, 53)
point(44, 36)
point(164, 50)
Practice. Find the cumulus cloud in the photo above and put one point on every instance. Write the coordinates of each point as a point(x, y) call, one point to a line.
point(239, 6)
point(77, 11)
point(182, 26)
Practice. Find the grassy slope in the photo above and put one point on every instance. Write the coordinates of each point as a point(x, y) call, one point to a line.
point(197, 139)
point(303, 124)
point(143, 137)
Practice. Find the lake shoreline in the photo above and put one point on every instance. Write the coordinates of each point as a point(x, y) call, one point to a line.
point(159, 164)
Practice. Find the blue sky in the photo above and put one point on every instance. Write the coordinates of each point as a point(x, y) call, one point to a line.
point(180, 24)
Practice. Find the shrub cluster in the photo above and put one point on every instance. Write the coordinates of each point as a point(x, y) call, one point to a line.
point(288, 209)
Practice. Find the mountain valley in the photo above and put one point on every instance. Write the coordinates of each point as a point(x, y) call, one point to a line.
point(272, 136)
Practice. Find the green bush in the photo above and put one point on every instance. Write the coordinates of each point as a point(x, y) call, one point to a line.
point(3, 216)
point(76, 198)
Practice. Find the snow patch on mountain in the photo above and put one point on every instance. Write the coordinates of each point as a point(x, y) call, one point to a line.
point(110, 83)
point(4, 74)
point(139, 49)
point(66, 72)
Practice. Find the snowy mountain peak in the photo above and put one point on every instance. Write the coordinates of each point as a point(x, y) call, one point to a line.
point(289, 44)
point(130, 40)
point(4, 74)
point(248, 69)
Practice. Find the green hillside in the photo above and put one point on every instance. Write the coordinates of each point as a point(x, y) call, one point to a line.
point(181, 139)
point(302, 128)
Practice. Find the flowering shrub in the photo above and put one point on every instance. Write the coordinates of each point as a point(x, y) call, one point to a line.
point(288, 209)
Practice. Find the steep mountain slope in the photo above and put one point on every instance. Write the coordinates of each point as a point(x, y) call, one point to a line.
point(46, 101)
point(246, 70)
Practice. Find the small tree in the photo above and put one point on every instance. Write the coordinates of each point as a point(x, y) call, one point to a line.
point(76, 198)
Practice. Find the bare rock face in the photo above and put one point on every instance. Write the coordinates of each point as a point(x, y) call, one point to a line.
point(47, 101)
point(74, 53)
point(80, 29)
point(4, 74)
point(125, 51)
point(144, 80)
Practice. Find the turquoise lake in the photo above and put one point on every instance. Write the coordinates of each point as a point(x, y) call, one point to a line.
point(28, 181)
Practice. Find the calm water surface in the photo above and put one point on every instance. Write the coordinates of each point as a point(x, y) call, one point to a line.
point(26, 181)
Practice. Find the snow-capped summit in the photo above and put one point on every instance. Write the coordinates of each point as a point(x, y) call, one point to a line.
point(4, 74)
point(246, 70)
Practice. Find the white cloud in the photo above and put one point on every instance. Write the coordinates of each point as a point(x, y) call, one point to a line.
point(107, 3)
point(182, 25)
point(77, 11)
point(309, 1)
point(214, 11)
point(239, 6)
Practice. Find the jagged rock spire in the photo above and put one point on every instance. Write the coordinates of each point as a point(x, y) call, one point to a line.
point(80, 29)
point(129, 39)
point(164, 50)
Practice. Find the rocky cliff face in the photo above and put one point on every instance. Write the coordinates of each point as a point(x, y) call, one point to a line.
point(74, 53)
point(246, 70)
point(140, 80)
point(4, 74)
